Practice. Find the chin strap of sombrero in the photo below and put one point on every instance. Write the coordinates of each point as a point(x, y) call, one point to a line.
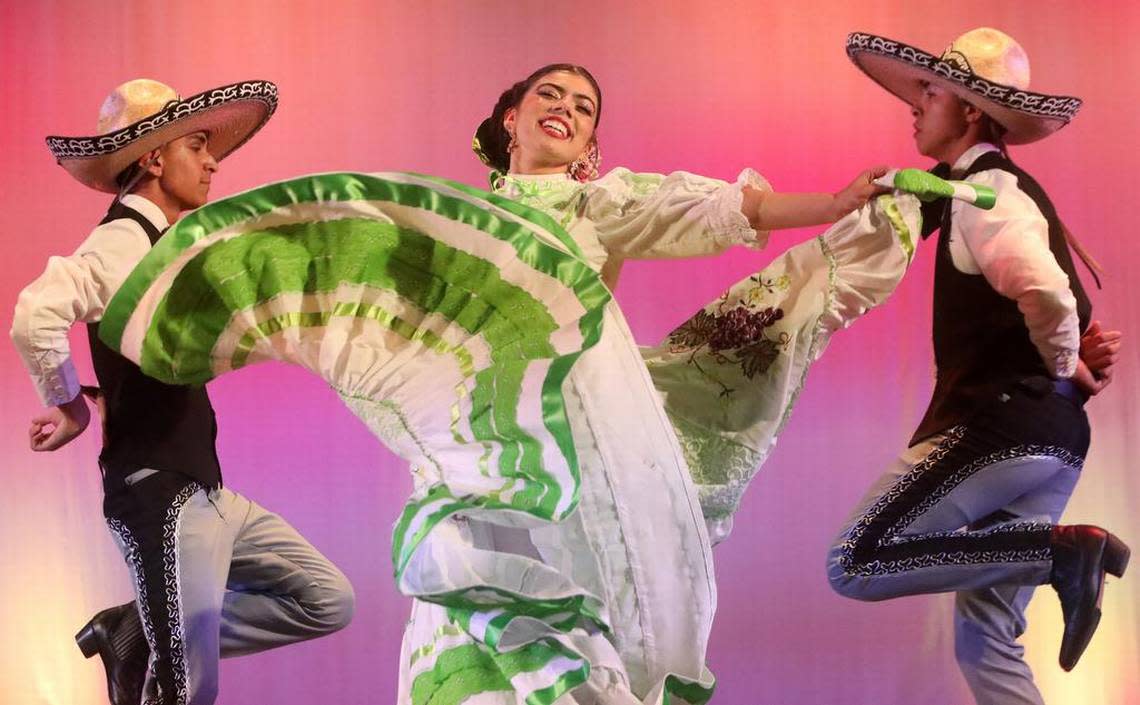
point(1093, 266)
point(136, 177)
point(933, 215)
point(996, 137)
point(934, 212)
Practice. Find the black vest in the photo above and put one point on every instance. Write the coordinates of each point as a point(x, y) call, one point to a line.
point(150, 424)
point(981, 343)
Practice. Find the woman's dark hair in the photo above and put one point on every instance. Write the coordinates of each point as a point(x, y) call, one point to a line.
point(491, 139)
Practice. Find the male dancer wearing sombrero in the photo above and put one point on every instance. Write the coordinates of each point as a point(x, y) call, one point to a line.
point(215, 574)
point(972, 505)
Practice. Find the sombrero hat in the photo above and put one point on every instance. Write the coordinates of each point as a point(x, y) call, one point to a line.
point(142, 115)
point(983, 66)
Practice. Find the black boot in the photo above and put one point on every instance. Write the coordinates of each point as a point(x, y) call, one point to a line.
point(1081, 557)
point(116, 635)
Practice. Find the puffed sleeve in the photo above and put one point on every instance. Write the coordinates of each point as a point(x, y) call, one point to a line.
point(646, 216)
point(729, 375)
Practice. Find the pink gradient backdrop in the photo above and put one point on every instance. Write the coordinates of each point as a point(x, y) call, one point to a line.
point(401, 85)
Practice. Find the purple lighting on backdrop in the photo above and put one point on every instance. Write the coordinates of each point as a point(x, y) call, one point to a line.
point(708, 88)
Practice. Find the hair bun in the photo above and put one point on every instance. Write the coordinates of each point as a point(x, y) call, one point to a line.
point(487, 144)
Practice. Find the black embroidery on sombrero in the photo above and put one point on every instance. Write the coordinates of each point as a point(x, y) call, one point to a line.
point(80, 147)
point(1060, 107)
point(958, 60)
point(874, 545)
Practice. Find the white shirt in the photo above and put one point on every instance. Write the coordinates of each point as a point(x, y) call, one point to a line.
point(1009, 245)
point(76, 289)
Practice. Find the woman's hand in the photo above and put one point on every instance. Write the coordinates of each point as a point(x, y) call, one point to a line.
point(767, 210)
point(858, 192)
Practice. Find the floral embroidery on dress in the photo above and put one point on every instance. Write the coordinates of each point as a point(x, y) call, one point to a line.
point(734, 334)
point(641, 185)
point(766, 287)
point(556, 195)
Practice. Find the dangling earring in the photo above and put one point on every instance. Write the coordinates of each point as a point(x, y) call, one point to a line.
point(513, 144)
point(585, 167)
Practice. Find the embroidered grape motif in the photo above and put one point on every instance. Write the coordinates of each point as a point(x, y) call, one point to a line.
point(735, 337)
point(740, 326)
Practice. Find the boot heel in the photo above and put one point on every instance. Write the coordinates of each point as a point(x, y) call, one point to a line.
point(1116, 554)
point(87, 640)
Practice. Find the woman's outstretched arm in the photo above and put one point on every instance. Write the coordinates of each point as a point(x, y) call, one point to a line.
point(768, 210)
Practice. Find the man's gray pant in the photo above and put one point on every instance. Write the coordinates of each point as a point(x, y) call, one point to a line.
point(216, 575)
point(971, 510)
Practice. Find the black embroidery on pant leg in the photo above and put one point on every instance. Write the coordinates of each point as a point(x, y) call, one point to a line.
point(170, 569)
point(153, 556)
point(875, 547)
point(134, 558)
point(958, 477)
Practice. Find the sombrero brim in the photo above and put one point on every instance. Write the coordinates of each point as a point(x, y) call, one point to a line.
point(230, 115)
point(902, 69)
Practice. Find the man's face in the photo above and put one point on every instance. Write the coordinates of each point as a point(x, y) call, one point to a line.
point(939, 121)
point(187, 167)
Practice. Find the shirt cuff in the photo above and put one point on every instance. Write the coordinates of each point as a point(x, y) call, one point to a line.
point(59, 386)
point(1065, 364)
point(726, 222)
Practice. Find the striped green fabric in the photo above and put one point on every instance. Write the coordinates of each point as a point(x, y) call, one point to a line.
point(690, 692)
point(448, 319)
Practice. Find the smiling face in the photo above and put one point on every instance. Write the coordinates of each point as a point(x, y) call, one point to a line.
point(552, 124)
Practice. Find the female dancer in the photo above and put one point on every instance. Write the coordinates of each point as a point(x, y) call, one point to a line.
point(729, 375)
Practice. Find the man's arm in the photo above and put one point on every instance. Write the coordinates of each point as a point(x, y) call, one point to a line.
point(1009, 245)
point(71, 289)
point(56, 426)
